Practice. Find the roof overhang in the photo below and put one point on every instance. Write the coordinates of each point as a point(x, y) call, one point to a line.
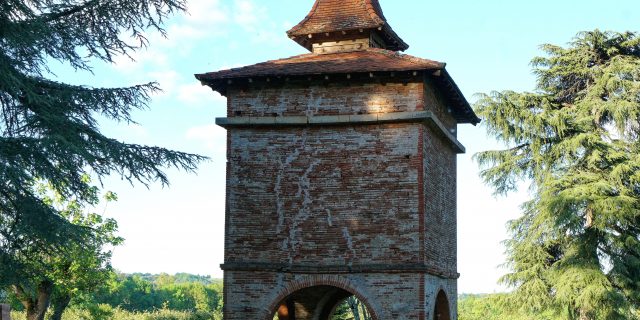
point(461, 109)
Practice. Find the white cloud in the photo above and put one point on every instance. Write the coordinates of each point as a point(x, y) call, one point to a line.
point(184, 31)
point(213, 137)
point(247, 14)
point(137, 132)
point(204, 21)
point(206, 12)
point(153, 54)
point(150, 55)
point(130, 133)
point(203, 18)
point(168, 80)
point(197, 94)
point(255, 20)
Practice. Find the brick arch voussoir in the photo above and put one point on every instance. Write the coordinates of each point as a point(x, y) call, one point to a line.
point(320, 280)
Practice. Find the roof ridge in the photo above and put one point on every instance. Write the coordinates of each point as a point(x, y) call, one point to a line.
point(404, 56)
point(287, 66)
point(375, 11)
point(306, 18)
point(386, 52)
point(298, 56)
point(332, 16)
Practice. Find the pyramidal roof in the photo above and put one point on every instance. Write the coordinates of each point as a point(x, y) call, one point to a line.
point(346, 22)
point(342, 16)
point(340, 63)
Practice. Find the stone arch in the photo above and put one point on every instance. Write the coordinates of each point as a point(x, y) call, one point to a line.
point(442, 309)
point(336, 282)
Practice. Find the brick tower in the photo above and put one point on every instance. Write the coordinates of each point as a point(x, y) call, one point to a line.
point(341, 174)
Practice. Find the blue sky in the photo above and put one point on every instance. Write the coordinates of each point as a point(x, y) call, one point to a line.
point(487, 46)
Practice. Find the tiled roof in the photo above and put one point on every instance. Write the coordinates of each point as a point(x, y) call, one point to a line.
point(328, 16)
point(337, 15)
point(363, 61)
point(369, 60)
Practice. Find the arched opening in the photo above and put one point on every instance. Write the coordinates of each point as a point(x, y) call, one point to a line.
point(321, 303)
point(442, 310)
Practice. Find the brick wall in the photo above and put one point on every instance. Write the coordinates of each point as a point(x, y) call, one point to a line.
point(435, 102)
point(440, 203)
point(353, 197)
point(397, 296)
point(331, 99)
point(339, 195)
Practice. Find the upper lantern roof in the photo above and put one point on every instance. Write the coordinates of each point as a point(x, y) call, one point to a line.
point(334, 20)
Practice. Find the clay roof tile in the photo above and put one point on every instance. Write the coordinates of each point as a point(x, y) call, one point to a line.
point(329, 16)
point(362, 61)
point(369, 60)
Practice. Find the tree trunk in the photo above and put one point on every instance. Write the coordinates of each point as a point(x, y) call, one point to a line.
point(579, 314)
point(60, 303)
point(583, 315)
point(36, 308)
point(365, 313)
point(589, 217)
point(353, 305)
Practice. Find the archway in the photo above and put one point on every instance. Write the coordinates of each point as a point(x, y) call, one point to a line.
point(321, 303)
point(442, 310)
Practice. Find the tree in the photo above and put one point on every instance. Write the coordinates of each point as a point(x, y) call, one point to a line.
point(49, 129)
point(358, 309)
point(576, 140)
point(79, 268)
point(351, 308)
point(497, 307)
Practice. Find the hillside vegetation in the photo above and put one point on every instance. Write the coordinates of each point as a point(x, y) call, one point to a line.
point(193, 297)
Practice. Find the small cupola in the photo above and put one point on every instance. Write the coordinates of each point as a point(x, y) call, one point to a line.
point(346, 25)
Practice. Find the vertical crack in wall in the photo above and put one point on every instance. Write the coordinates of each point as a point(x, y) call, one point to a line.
point(304, 212)
point(314, 103)
point(278, 185)
point(349, 239)
point(329, 218)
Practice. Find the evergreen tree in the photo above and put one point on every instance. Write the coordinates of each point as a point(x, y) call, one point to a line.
point(576, 140)
point(49, 130)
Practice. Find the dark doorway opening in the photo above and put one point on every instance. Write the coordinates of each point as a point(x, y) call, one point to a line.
point(322, 303)
point(442, 310)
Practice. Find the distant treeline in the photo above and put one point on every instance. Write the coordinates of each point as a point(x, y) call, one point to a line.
point(145, 292)
point(188, 296)
point(148, 293)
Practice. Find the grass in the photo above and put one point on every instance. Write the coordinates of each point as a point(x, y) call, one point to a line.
point(104, 312)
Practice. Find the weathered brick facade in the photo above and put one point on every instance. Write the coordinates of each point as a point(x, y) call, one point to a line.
point(341, 181)
point(336, 98)
point(372, 205)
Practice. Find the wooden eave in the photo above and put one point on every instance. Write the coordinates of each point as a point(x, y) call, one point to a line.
point(461, 109)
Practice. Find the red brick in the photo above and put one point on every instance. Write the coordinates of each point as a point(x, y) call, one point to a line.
point(317, 211)
point(355, 196)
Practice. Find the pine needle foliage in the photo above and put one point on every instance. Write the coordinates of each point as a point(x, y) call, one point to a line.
point(49, 130)
point(576, 246)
